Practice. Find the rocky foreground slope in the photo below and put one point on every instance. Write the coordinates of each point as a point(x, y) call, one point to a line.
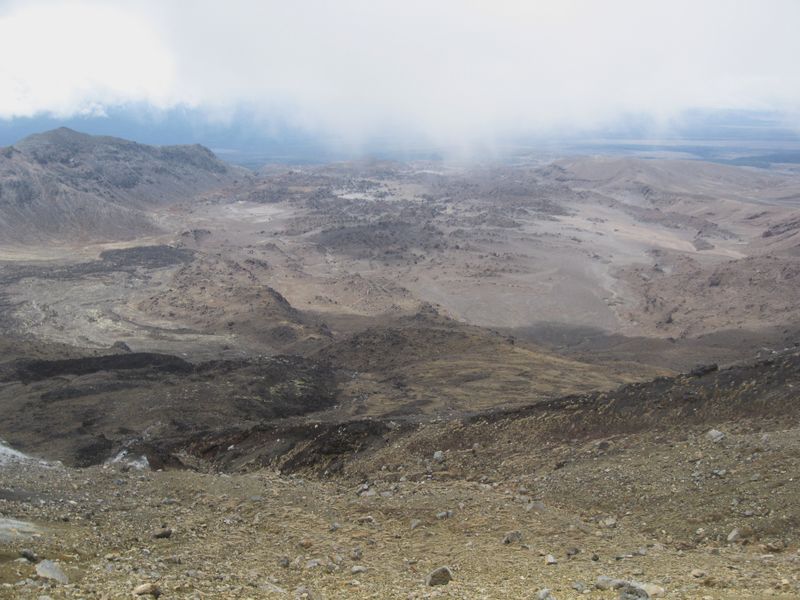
point(684, 487)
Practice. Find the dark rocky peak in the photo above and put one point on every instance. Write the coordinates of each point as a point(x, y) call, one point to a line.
point(70, 148)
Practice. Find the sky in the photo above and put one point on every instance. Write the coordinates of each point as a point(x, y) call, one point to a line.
point(444, 72)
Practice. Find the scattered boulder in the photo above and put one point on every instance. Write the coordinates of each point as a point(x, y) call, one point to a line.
point(629, 590)
point(701, 370)
point(440, 576)
point(147, 589)
point(714, 436)
point(653, 590)
point(47, 569)
point(271, 588)
point(29, 555)
point(512, 537)
point(604, 582)
point(366, 520)
point(438, 457)
point(535, 506)
point(632, 591)
point(545, 594)
point(303, 593)
point(777, 546)
point(163, 534)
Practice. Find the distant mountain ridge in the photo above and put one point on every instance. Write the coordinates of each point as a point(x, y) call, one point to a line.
point(64, 185)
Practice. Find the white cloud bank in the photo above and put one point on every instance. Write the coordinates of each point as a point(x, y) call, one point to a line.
point(446, 70)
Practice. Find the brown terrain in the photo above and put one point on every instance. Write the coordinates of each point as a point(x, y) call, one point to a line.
point(576, 375)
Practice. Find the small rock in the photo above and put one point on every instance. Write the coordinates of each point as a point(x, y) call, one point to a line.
point(535, 506)
point(545, 594)
point(512, 537)
point(358, 569)
point(415, 523)
point(632, 591)
point(735, 535)
point(334, 526)
point(778, 546)
point(550, 560)
point(303, 593)
point(610, 522)
point(714, 435)
point(356, 553)
point(440, 576)
point(445, 514)
point(698, 573)
point(653, 590)
point(47, 569)
point(163, 534)
point(701, 370)
point(29, 555)
point(331, 566)
point(604, 582)
point(438, 456)
point(147, 589)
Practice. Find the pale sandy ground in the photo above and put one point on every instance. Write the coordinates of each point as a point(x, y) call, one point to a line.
point(561, 270)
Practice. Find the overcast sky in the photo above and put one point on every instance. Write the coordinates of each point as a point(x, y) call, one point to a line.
point(444, 70)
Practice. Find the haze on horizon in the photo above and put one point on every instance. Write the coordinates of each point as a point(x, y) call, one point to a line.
point(449, 73)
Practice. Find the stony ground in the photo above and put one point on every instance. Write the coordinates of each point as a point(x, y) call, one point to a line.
point(613, 495)
point(262, 535)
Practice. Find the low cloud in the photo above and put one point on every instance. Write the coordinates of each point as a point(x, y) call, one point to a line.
point(447, 72)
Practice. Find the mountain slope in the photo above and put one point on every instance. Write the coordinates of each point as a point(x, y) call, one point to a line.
point(63, 185)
